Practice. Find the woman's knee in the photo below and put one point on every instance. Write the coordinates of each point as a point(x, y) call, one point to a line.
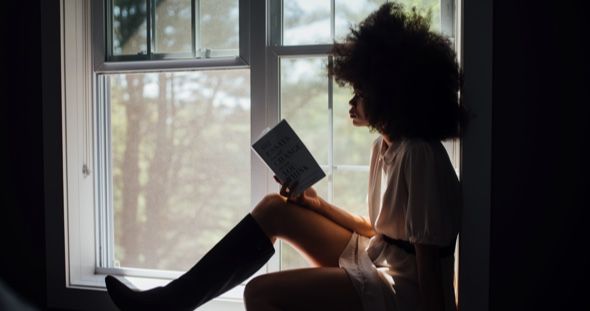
point(266, 213)
point(256, 293)
point(268, 205)
point(270, 201)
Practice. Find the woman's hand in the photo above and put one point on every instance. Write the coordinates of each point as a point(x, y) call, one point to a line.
point(308, 198)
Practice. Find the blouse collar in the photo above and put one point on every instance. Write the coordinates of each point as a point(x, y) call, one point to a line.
point(388, 152)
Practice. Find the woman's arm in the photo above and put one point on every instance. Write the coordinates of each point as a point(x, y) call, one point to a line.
point(310, 199)
point(429, 278)
point(353, 222)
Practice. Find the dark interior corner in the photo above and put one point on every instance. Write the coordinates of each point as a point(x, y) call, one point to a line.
point(539, 163)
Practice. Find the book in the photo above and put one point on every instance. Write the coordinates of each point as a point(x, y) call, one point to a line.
point(287, 157)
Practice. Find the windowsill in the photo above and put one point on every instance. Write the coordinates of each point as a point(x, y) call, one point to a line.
point(229, 301)
point(157, 278)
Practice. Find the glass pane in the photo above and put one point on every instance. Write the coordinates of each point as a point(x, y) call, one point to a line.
point(349, 13)
point(129, 27)
point(452, 147)
point(306, 22)
point(292, 258)
point(352, 145)
point(179, 184)
point(350, 191)
point(304, 102)
point(220, 25)
point(426, 7)
point(173, 26)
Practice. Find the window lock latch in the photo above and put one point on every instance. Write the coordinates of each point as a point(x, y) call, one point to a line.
point(85, 170)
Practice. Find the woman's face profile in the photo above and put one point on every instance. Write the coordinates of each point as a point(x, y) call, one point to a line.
point(357, 111)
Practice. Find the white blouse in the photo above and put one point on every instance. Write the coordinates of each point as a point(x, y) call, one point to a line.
point(414, 195)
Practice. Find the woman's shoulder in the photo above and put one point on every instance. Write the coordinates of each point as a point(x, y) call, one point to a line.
point(377, 141)
point(376, 145)
point(418, 146)
point(421, 154)
point(420, 150)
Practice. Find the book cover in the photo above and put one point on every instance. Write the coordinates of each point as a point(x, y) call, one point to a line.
point(288, 157)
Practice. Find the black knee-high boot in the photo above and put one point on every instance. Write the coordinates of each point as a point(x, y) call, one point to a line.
point(240, 253)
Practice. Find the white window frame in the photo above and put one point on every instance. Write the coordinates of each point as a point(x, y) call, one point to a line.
point(83, 60)
point(72, 279)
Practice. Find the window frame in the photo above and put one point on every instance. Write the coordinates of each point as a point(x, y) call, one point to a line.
point(82, 30)
point(475, 149)
point(106, 64)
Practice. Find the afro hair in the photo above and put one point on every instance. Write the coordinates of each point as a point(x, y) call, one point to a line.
point(406, 75)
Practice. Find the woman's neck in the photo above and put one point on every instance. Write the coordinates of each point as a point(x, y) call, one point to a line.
point(387, 140)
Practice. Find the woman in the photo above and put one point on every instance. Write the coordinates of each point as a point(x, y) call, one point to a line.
point(405, 80)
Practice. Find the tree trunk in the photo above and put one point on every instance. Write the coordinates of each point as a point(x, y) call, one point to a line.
point(157, 186)
point(131, 187)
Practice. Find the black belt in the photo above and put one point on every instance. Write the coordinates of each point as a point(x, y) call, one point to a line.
point(408, 247)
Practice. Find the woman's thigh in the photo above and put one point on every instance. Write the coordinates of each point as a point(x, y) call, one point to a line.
point(302, 289)
point(316, 236)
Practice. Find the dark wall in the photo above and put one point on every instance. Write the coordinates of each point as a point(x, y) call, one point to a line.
point(539, 170)
point(538, 166)
point(22, 230)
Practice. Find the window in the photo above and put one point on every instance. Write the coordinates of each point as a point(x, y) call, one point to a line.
point(161, 106)
point(148, 105)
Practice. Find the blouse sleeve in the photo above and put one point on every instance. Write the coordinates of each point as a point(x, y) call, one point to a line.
point(427, 221)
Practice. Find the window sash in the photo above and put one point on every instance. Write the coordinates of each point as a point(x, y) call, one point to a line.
point(105, 62)
point(151, 37)
point(86, 133)
point(103, 187)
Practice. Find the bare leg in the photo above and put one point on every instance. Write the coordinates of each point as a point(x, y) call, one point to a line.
point(302, 289)
point(319, 238)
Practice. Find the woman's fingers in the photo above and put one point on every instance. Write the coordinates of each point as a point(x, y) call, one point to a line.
point(285, 187)
point(293, 186)
point(287, 190)
point(284, 190)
